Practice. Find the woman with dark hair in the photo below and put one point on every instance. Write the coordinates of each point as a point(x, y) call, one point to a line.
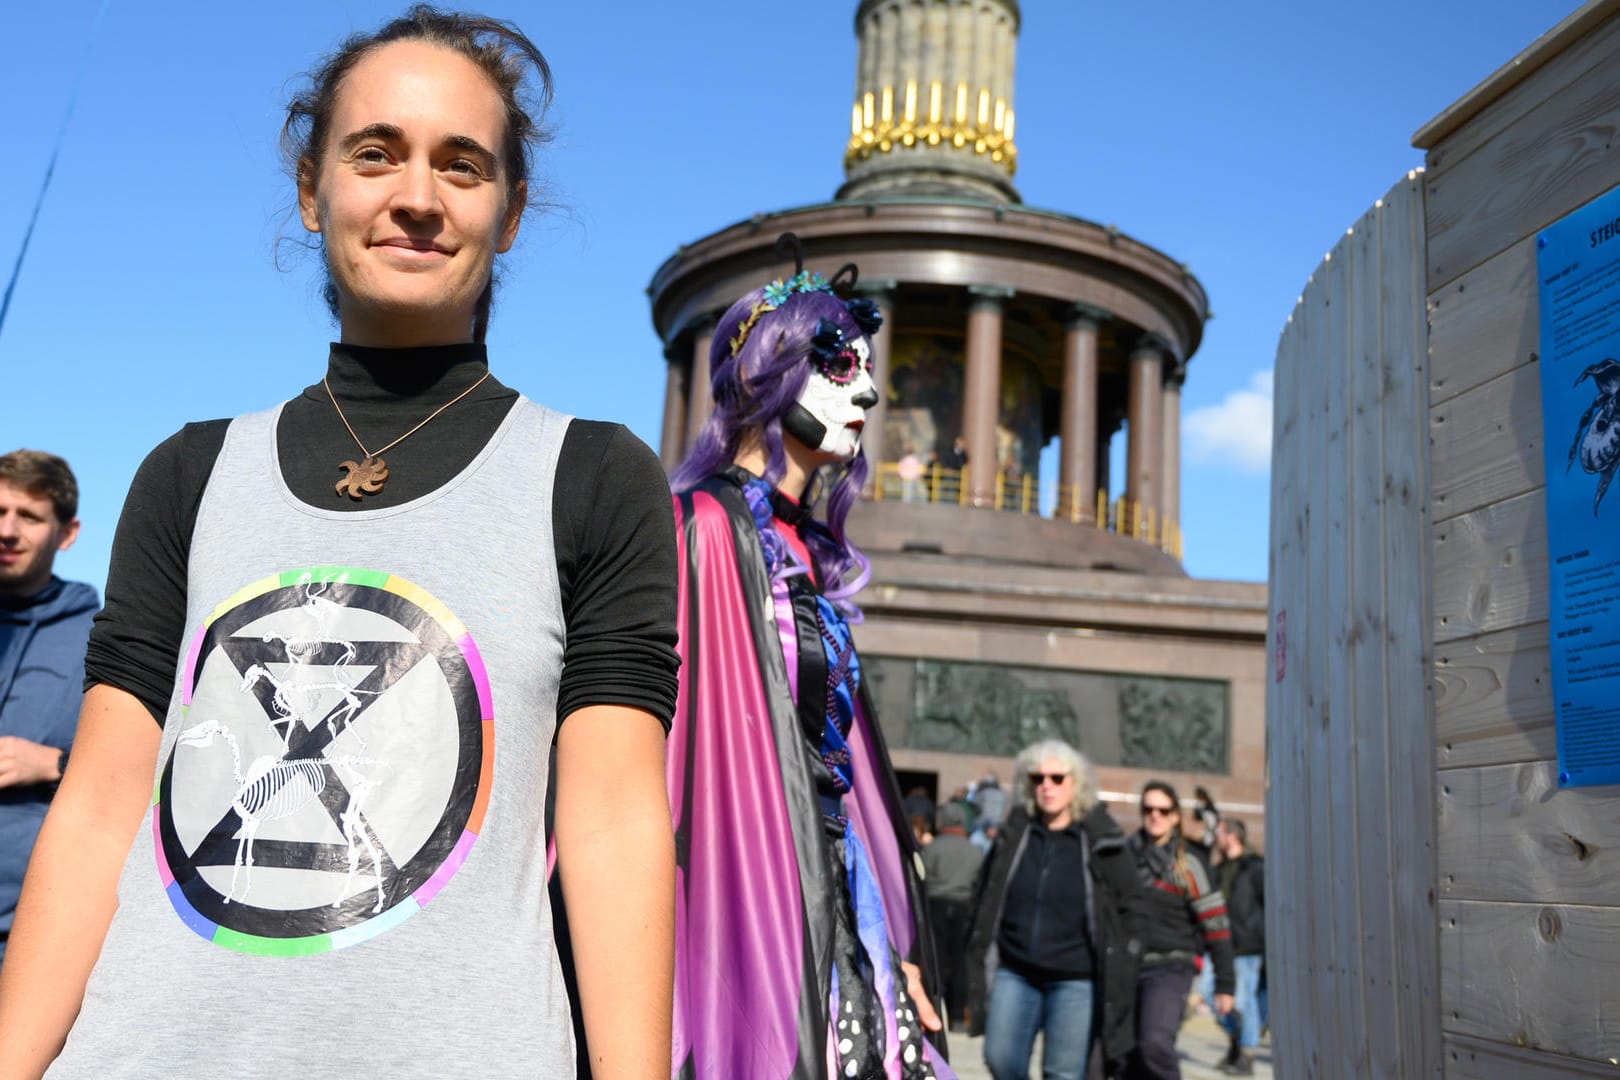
point(1055, 926)
point(801, 929)
point(363, 672)
point(1186, 917)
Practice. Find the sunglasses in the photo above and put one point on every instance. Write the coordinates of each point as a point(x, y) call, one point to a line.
point(1036, 779)
point(1158, 811)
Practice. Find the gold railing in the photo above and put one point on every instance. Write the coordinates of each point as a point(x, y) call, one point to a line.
point(1122, 516)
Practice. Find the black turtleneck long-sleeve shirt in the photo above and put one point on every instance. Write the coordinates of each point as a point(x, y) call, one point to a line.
point(613, 528)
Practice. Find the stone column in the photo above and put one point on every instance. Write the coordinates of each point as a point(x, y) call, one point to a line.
point(699, 393)
point(1105, 459)
point(1077, 427)
point(868, 53)
point(672, 442)
point(981, 390)
point(882, 294)
point(1143, 439)
point(910, 33)
point(984, 63)
point(1108, 426)
point(1007, 40)
point(1170, 469)
point(951, 62)
point(936, 32)
point(963, 25)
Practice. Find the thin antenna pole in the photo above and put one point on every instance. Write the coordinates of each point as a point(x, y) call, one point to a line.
point(50, 167)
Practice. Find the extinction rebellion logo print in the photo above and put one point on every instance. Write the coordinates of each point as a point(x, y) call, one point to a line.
point(333, 763)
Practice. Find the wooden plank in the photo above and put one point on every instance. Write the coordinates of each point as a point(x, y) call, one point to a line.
point(1485, 323)
point(1304, 945)
point(1279, 564)
point(1339, 898)
point(1552, 160)
point(1320, 961)
point(1468, 1058)
point(1364, 649)
point(1493, 699)
point(1490, 568)
point(1539, 976)
point(1508, 832)
point(1287, 847)
point(1407, 641)
point(1278, 774)
point(1301, 685)
point(1485, 445)
point(1586, 39)
point(1288, 858)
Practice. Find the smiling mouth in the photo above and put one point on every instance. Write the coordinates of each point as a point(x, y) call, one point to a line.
point(856, 425)
point(421, 247)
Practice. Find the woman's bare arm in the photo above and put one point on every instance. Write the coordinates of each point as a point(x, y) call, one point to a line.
point(70, 892)
point(616, 855)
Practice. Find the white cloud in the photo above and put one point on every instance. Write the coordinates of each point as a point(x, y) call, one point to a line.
point(1235, 432)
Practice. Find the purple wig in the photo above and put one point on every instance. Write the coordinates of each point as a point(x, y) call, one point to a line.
point(752, 392)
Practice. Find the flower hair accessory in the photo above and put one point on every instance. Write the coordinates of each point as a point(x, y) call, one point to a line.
point(862, 310)
point(866, 315)
point(776, 294)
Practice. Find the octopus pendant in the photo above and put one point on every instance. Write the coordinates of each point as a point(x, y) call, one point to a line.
point(364, 477)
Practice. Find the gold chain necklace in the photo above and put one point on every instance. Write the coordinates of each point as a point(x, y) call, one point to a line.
point(367, 477)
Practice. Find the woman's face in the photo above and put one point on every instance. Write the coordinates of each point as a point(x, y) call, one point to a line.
point(830, 413)
point(411, 196)
point(1053, 785)
point(1159, 815)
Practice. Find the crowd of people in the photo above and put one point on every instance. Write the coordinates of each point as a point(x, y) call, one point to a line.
point(1051, 921)
point(509, 736)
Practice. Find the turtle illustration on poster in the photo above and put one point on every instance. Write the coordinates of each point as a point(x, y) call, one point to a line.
point(1597, 436)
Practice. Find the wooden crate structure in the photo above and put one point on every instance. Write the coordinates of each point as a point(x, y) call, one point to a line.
point(1438, 906)
point(1529, 875)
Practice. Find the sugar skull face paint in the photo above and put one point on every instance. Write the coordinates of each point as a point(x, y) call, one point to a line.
point(831, 412)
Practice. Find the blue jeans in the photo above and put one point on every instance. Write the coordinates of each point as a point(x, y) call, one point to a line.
point(1249, 1007)
point(1019, 1008)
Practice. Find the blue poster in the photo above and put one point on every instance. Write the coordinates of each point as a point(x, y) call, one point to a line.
point(1578, 280)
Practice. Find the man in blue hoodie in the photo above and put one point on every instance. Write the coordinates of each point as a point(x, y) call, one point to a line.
point(44, 624)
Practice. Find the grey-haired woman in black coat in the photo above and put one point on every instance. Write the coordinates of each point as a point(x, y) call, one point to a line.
point(1056, 927)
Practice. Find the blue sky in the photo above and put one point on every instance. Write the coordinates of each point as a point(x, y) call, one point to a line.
point(1240, 138)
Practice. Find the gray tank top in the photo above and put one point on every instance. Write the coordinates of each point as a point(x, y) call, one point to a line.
point(343, 869)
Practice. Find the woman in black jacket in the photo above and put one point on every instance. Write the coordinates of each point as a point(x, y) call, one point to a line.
point(1053, 945)
point(1186, 917)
